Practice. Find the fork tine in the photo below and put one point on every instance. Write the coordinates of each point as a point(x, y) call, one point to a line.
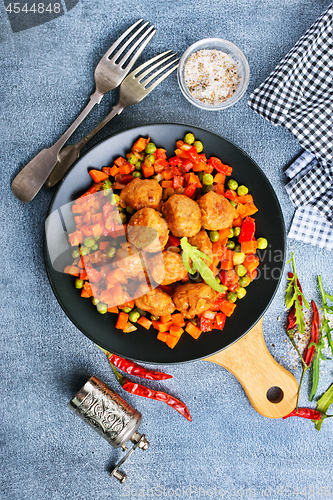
point(149, 70)
point(158, 72)
point(130, 40)
point(139, 51)
point(147, 63)
point(124, 35)
point(163, 77)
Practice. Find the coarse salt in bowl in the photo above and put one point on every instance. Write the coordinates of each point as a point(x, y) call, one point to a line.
point(213, 74)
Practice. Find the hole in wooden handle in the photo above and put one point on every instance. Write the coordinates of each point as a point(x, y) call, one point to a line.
point(275, 394)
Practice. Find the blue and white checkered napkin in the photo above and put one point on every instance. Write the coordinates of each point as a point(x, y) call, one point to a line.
point(299, 95)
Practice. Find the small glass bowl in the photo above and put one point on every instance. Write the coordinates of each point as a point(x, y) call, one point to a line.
point(230, 49)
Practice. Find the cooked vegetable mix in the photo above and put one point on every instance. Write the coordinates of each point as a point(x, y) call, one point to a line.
point(171, 220)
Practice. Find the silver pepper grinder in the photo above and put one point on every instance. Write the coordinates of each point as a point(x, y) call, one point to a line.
point(111, 416)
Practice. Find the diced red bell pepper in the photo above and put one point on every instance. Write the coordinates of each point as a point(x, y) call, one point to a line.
point(187, 164)
point(219, 321)
point(190, 190)
point(177, 181)
point(175, 161)
point(173, 241)
point(230, 194)
point(125, 179)
point(192, 154)
point(219, 166)
point(248, 229)
point(206, 325)
point(160, 154)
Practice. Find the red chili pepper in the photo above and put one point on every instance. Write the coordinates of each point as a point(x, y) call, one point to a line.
point(248, 228)
point(309, 351)
point(219, 166)
point(309, 413)
point(132, 368)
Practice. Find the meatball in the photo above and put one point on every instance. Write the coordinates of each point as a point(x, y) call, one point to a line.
point(157, 302)
point(167, 268)
point(129, 261)
point(216, 211)
point(182, 215)
point(148, 230)
point(203, 243)
point(140, 194)
point(193, 298)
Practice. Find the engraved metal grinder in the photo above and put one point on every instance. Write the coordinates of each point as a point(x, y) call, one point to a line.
point(111, 416)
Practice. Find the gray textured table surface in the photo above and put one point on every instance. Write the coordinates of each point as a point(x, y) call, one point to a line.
point(46, 452)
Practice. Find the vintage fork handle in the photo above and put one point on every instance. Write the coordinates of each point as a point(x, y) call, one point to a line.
point(29, 181)
point(69, 155)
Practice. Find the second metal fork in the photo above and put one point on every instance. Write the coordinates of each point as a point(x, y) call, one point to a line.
point(133, 89)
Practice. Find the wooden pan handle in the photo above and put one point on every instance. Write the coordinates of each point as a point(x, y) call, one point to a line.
point(258, 372)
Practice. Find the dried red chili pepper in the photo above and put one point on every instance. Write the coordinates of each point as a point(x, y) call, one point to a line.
point(309, 351)
point(309, 413)
point(133, 368)
point(145, 392)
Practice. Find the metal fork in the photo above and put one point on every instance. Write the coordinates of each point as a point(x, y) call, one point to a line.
point(133, 89)
point(109, 73)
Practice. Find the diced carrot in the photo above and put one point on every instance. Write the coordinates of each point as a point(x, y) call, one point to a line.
point(248, 247)
point(73, 270)
point(160, 164)
point(76, 209)
point(251, 262)
point(166, 318)
point(87, 218)
point(193, 330)
point(129, 327)
point(227, 308)
point(166, 184)
point(171, 341)
point(161, 327)
point(237, 222)
point(129, 304)
point(140, 144)
point(247, 198)
point(106, 170)
point(167, 174)
point(199, 167)
point(103, 245)
point(219, 178)
point(162, 336)
point(178, 319)
point(219, 189)
point(95, 218)
point(176, 331)
point(116, 276)
point(83, 275)
point(126, 169)
point(122, 320)
point(147, 170)
point(146, 323)
point(120, 161)
point(252, 275)
point(226, 264)
point(86, 230)
point(113, 296)
point(97, 230)
point(249, 209)
point(86, 290)
point(224, 233)
point(98, 176)
point(241, 210)
point(114, 170)
point(113, 309)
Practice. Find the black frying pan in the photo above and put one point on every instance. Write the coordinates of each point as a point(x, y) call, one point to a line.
point(142, 345)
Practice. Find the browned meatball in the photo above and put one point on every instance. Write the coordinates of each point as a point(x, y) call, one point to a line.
point(216, 211)
point(167, 268)
point(182, 215)
point(157, 302)
point(148, 230)
point(141, 193)
point(203, 243)
point(193, 298)
point(129, 261)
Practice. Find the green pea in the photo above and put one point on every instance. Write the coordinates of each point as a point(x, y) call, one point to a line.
point(132, 159)
point(232, 184)
point(240, 270)
point(232, 233)
point(242, 190)
point(107, 184)
point(84, 250)
point(137, 174)
point(230, 245)
point(200, 175)
point(102, 308)
point(262, 243)
point(94, 301)
point(241, 293)
point(150, 148)
point(79, 283)
point(127, 309)
point(208, 179)
point(150, 159)
point(114, 199)
point(111, 252)
point(206, 188)
point(238, 248)
point(89, 242)
point(237, 231)
point(130, 210)
point(189, 138)
point(231, 297)
point(134, 316)
point(155, 318)
point(138, 166)
point(198, 145)
point(122, 218)
point(95, 247)
point(233, 203)
point(214, 236)
point(244, 281)
point(75, 254)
